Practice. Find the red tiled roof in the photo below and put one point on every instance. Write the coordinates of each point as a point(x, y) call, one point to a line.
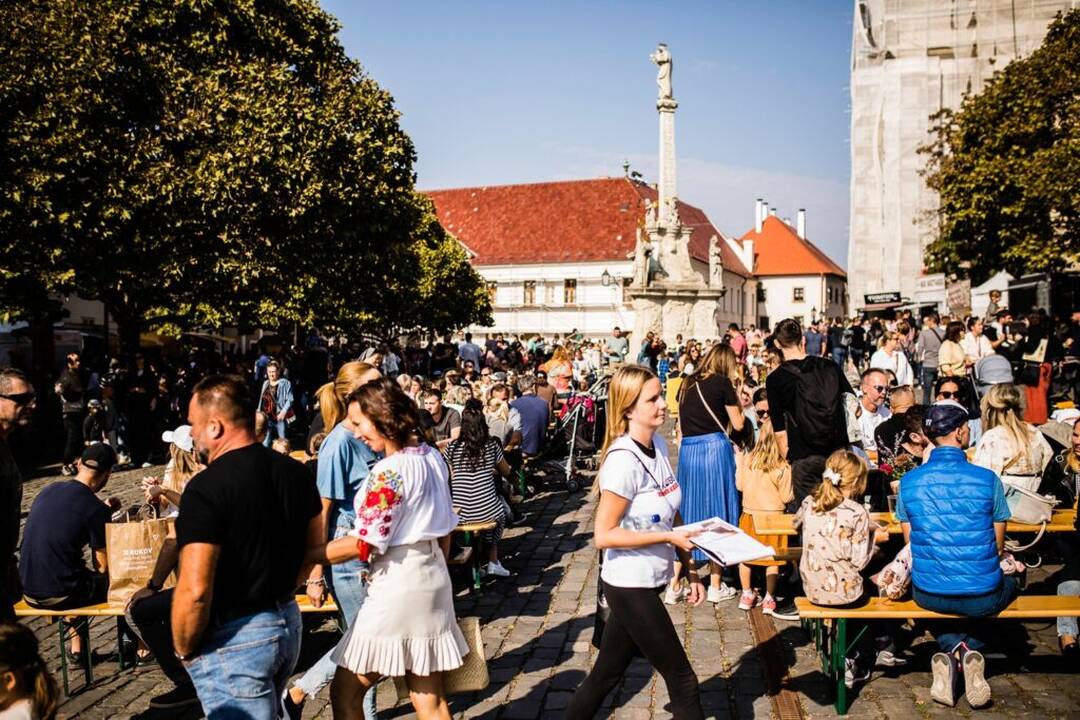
point(561, 222)
point(778, 250)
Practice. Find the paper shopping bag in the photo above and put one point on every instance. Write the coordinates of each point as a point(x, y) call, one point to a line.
point(132, 549)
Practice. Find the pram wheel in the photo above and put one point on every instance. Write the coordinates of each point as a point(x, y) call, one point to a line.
point(573, 484)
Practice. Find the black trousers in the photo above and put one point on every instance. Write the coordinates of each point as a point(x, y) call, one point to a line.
point(638, 620)
point(805, 478)
point(73, 437)
point(150, 619)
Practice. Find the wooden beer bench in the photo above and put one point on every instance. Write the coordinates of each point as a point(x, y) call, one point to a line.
point(470, 555)
point(828, 625)
point(105, 610)
point(781, 524)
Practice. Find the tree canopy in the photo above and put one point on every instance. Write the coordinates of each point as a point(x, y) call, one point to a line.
point(1006, 166)
point(207, 164)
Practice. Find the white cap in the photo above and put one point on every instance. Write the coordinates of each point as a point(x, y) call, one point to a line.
point(180, 437)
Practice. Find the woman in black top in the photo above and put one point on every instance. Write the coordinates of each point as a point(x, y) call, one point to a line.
point(709, 410)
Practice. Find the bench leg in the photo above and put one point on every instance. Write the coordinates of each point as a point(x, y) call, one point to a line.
point(839, 653)
point(62, 634)
point(120, 642)
point(88, 655)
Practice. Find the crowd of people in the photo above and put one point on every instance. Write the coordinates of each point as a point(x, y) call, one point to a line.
point(401, 444)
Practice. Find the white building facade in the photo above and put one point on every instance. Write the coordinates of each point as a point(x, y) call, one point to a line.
point(910, 59)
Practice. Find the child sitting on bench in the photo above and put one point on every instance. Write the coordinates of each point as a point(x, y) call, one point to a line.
point(838, 542)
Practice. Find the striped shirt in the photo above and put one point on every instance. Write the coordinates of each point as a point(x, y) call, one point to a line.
point(473, 483)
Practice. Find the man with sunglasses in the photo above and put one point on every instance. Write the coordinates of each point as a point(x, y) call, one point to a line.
point(872, 409)
point(17, 402)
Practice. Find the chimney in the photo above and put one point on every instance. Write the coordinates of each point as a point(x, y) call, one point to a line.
point(800, 223)
point(772, 212)
point(758, 214)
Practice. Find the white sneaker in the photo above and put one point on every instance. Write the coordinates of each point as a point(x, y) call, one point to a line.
point(146, 465)
point(496, 568)
point(673, 596)
point(976, 688)
point(719, 594)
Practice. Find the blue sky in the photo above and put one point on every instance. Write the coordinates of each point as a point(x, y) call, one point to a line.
point(505, 92)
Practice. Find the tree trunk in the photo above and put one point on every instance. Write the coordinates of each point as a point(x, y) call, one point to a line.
point(128, 330)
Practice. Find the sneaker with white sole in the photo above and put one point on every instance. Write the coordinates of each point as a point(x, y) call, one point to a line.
point(944, 672)
point(853, 674)
point(976, 689)
point(768, 604)
point(495, 568)
point(720, 594)
point(672, 596)
point(887, 658)
point(747, 600)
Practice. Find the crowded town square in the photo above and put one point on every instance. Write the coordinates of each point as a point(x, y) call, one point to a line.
point(321, 397)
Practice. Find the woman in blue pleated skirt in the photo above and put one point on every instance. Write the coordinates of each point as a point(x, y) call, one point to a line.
point(708, 410)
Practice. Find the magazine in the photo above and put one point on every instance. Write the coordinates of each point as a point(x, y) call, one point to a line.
point(725, 543)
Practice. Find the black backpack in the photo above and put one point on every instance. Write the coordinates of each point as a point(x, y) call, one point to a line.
point(818, 416)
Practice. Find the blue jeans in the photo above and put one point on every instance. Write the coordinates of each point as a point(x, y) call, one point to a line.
point(839, 356)
point(1068, 625)
point(927, 378)
point(242, 665)
point(276, 425)
point(349, 591)
point(973, 606)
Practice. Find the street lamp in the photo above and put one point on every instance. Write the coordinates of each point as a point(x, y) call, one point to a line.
point(605, 279)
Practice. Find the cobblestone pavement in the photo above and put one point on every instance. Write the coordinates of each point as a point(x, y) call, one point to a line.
point(537, 626)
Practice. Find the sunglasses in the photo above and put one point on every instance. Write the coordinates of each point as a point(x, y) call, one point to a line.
point(23, 398)
point(948, 395)
point(880, 388)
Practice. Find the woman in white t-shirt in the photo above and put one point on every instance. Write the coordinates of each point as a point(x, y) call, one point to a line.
point(639, 506)
point(891, 357)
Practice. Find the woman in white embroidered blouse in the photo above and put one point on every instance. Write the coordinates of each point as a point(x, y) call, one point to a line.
point(1012, 448)
point(404, 517)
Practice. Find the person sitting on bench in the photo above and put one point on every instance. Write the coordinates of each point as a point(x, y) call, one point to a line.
point(66, 517)
point(953, 513)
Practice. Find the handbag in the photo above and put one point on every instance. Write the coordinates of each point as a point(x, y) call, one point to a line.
point(473, 673)
point(894, 580)
point(1029, 507)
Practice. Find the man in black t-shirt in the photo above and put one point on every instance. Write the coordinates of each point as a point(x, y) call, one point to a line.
point(244, 526)
point(805, 451)
point(17, 402)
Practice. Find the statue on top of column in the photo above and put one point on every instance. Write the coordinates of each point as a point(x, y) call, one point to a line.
point(662, 59)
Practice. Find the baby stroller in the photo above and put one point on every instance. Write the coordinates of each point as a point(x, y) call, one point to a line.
point(575, 439)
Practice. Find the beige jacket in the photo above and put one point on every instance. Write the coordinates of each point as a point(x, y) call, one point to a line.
point(763, 491)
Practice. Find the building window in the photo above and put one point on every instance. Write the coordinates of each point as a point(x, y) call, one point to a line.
point(530, 293)
point(569, 292)
point(797, 294)
point(549, 293)
point(493, 291)
point(625, 298)
point(761, 293)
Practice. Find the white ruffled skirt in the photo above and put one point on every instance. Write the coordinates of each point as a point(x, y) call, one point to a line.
point(407, 622)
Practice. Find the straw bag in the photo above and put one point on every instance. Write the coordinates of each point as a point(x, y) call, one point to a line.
point(471, 676)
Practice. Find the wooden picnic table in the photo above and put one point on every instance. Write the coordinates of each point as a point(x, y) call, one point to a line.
point(780, 524)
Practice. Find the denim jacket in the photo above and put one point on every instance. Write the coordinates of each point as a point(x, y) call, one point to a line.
point(283, 397)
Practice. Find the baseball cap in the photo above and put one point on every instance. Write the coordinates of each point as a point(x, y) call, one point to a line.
point(99, 457)
point(180, 437)
point(944, 417)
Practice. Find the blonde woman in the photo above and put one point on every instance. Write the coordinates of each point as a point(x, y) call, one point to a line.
point(1012, 448)
point(182, 466)
point(639, 506)
point(763, 477)
point(344, 463)
point(709, 411)
point(560, 370)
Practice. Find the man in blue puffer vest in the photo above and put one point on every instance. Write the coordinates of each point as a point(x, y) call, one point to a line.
point(953, 514)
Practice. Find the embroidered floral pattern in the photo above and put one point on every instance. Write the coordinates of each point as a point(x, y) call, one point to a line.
point(375, 513)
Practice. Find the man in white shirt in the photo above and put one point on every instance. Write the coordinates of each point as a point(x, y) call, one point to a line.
point(872, 411)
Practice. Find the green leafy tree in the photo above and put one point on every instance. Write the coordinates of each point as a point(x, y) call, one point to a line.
point(1006, 167)
point(201, 164)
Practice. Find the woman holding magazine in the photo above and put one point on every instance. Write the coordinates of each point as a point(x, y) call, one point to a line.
point(639, 504)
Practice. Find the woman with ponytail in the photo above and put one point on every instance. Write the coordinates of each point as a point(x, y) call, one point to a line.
point(638, 509)
point(1012, 448)
point(343, 464)
point(27, 690)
